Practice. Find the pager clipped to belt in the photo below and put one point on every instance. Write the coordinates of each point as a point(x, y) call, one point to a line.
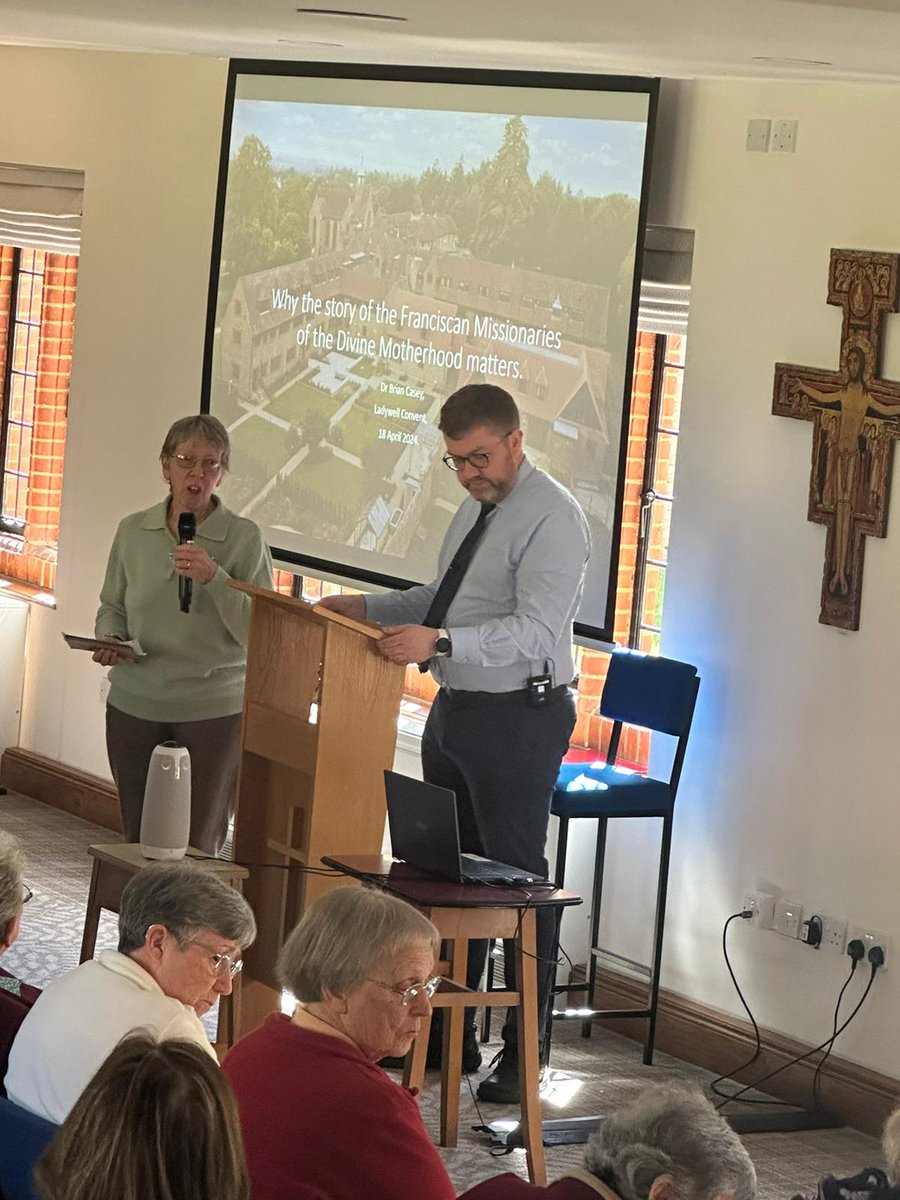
point(540, 687)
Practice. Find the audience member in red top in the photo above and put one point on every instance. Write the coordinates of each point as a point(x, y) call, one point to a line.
point(668, 1144)
point(316, 1110)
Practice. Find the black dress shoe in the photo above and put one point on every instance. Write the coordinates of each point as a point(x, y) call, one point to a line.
point(502, 1085)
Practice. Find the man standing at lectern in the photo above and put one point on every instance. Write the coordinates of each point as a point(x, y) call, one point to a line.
point(495, 630)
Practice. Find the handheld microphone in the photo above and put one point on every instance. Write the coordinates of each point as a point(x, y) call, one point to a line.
point(187, 527)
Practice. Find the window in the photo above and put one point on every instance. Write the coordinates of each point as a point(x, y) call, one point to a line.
point(17, 427)
point(643, 553)
point(656, 507)
point(503, 296)
point(37, 301)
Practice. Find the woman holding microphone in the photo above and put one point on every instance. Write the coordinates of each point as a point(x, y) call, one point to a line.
point(189, 686)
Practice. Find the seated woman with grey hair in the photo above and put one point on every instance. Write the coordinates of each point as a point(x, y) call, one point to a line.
point(181, 935)
point(668, 1144)
point(316, 1109)
point(16, 997)
point(189, 687)
point(12, 892)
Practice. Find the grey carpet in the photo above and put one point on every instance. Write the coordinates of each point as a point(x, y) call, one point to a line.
point(607, 1066)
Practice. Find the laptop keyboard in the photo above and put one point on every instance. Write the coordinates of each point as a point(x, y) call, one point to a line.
point(476, 868)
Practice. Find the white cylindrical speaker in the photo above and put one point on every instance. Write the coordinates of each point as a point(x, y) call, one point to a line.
point(166, 816)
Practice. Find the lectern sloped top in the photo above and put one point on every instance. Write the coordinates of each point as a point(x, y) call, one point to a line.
point(320, 727)
point(295, 604)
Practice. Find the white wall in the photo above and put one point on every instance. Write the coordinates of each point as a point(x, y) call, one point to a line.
point(792, 767)
point(13, 630)
point(793, 772)
point(145, 130)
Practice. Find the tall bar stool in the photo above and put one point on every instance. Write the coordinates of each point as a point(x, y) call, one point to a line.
point(654, 693)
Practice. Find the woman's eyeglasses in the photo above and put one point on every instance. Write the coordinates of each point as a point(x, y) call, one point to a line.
point(27, 893)
point(407, 995)
point(187, 462)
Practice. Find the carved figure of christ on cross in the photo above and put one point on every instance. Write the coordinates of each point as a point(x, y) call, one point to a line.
point(856, 418)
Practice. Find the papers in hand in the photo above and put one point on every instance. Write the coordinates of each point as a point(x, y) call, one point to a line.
point(127, 651)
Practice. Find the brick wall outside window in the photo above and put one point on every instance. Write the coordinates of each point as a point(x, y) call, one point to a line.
point(36, 447)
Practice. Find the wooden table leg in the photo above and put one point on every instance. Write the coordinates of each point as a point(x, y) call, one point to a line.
point(91, 917)
point(451, 1067)
point(529, 1055)
point(414, 1066)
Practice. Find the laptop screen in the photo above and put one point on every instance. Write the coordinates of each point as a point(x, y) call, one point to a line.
point(422, 822)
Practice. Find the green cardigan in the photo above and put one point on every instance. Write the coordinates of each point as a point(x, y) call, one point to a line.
point(196, 661)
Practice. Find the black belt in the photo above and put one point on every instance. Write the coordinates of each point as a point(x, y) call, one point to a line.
point(464, 699)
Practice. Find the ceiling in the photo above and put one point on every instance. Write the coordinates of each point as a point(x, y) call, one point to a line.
point(790, 39)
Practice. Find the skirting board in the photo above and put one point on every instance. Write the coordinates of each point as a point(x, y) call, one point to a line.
point(697, 1034)
point(61, 786)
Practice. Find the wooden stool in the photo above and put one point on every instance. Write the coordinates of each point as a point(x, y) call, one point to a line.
point(114, 865)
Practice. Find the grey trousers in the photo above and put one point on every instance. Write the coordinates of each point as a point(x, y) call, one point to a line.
point(215, 750)
point(502, 762)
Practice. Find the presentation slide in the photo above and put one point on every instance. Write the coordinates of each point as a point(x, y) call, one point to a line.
point(382, 242)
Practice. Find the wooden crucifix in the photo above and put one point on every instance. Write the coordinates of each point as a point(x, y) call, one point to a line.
point(856, 418)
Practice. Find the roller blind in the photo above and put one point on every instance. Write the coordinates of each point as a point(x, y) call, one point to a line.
point(40, 208)
point(666, 280)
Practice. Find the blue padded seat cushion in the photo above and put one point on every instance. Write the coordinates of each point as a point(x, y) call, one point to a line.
point(625, 795)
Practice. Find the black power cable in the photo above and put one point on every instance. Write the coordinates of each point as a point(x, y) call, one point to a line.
point(725, 1097)
point(817, 1100)
point(809, 1053)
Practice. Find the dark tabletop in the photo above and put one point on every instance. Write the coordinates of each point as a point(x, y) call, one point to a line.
point(425, 890)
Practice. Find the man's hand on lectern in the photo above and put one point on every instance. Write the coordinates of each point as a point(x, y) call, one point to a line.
point(407, 643)
point(347, 606)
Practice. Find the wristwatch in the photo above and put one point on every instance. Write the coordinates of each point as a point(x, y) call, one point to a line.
point(443, 646)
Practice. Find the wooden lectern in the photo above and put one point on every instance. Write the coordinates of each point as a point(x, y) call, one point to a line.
point(320, 726)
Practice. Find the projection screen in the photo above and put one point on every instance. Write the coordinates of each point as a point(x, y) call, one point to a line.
point(384, 236)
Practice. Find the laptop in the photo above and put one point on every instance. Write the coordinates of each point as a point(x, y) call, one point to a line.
point(425, 834)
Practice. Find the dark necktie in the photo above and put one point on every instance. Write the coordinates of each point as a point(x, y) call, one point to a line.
point(453, 576)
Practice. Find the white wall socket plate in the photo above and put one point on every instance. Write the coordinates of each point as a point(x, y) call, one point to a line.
point(834, 934)
point(869, 938)
point(788, 918)
point(784, 137)
point(762, 905)
point(758, 133)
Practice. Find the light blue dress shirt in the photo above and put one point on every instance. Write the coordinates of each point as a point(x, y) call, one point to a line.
point(514, 609)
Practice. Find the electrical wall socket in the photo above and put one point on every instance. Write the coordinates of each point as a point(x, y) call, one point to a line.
point(762, 905)
point(784, 137)
point(834, 934)
point(788, 918)
point(870, 938)
point(758, 132)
